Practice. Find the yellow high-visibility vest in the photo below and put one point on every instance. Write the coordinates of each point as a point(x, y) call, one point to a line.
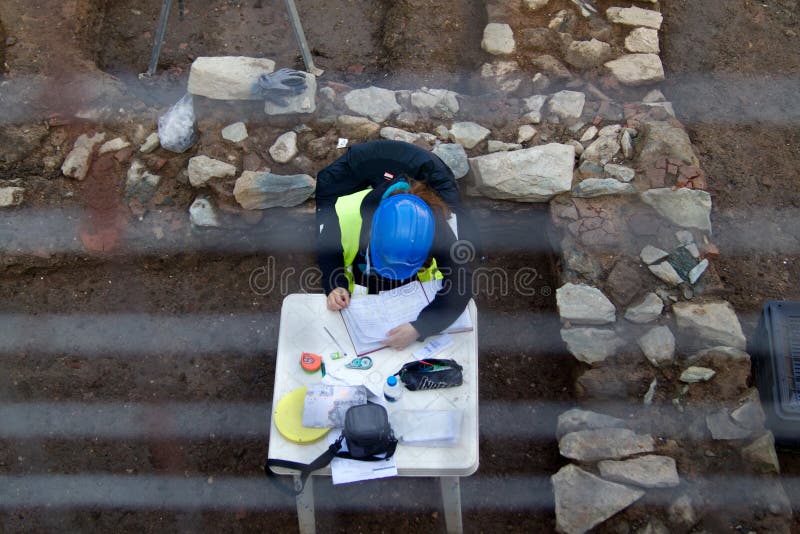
point(348, 210)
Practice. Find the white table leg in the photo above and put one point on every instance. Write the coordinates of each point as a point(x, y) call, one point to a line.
point(451, 499)
point(305, 507)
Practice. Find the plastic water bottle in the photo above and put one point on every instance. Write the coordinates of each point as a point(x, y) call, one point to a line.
point(392, 389)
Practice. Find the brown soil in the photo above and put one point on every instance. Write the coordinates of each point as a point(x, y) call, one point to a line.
point(734, 93)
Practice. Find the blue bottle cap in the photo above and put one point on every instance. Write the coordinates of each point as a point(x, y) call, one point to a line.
point(392, 380)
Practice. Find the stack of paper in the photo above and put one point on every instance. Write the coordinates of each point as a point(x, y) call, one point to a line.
point(427, 428)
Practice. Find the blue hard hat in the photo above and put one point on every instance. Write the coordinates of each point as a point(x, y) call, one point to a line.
point(402, 235)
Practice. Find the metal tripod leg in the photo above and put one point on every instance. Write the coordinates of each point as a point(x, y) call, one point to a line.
point(300, 35)
point(159, 38)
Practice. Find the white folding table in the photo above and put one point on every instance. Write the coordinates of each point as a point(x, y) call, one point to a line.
point(303, 317)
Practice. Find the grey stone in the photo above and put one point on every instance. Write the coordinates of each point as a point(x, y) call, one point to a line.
point(646, 311)
point(584, 500)
point(688, 208)
point(750, 415)
point(139, 181)
point(589, 134)
point(651, 254)
point(635, 16)
point(328, 94)
point(761, 454)
point(582, 263)
point(730, 353)
point(663, 139)
point(534, 174)
point(397, 134)
point(552, 67)
point(202, 169)
point(525, 133)
point(587, 54)
point(468, 134)
point(637, 69)
point(534, 5)
point(666, 273)
point(597, 187)
point(437, 103)
point(11, 196)
point(235, 133)
point(654, 96)
point(620, 172)
point(643, 40)
point(76, 164)
point(442, 132)
point(228, 77)
point(591, 345)
point(650, 394)
point(499, 146)
point(604, 443)
point(260, 190)
point(454, 156)
point(658, 346)
point(695, 374)
point(540, 82)
point(576, 145)
point(722, 427)
point(114, 145)
point(567, 105)
point(374, 102)
point(533, 106)
point(305, 102)
point(602, 150)
point(498, 39)
point(684, 237)
point(284, 148)
point(712, 322)
point(563, 21)
point(589, 169)
point(353, 127)
point(681, 512)
point(150, 144)
point(203, 213)
point(583, 304)
point(575, 419)
point(649, 471)
point(626, 143)
point(654, 526)
point(625, 281)
point(697, 271)
point(407, 119)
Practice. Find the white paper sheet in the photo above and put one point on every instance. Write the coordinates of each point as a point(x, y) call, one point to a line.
point(344, 471)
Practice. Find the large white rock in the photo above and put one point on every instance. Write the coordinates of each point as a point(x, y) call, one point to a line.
point(284, 148)
point(356, 127)
point(591, 345)
point(584, 500)
point(651, 254)
point(534, 174)
point(235, 133)
point(715, 323)
point(202, 169)
point(376, 103)
point(637, 69)
point(635, 16)
point(688, 208)
point(228, 77)
point(11, 196)
point(534, 105)
point(649, 471)
point(498, 39)
point(454, 156)
point(658, 346)
point(587, 54)
point(597, 187)
point(604, 443)
point(468, 134)
point(76, 164)
point(643, 41)
point(305, 102)
point(646, 311)
point(602, 150)
point(439, 103)
point(260, 190)
point(583, 304)
point(620, 172)
point(567, 105)
point(398, 134)
point(663, 139)
point(576, 419)
point(114, 145)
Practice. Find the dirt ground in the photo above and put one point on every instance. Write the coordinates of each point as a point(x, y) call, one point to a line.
point(732, 69)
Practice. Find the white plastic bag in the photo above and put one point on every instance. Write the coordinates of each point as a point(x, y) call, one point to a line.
point(177, 128)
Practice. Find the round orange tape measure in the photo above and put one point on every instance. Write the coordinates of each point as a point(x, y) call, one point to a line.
point(310, 362)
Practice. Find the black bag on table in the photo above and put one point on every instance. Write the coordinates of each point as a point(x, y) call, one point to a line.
point(368, 436)
point(431, 374)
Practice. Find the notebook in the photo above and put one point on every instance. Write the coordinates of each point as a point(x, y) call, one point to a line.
point(369, 317)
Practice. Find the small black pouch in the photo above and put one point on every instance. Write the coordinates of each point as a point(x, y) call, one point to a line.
point(431, 374)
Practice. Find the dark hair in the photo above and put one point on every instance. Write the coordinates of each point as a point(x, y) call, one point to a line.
point(429, 196)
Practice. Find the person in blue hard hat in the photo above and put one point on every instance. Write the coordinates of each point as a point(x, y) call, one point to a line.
point(392, 235)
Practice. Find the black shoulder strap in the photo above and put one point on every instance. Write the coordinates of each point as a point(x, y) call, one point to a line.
point(305, 469)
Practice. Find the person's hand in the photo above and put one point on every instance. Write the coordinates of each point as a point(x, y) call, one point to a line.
point(401, 336)
point(338, 298)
